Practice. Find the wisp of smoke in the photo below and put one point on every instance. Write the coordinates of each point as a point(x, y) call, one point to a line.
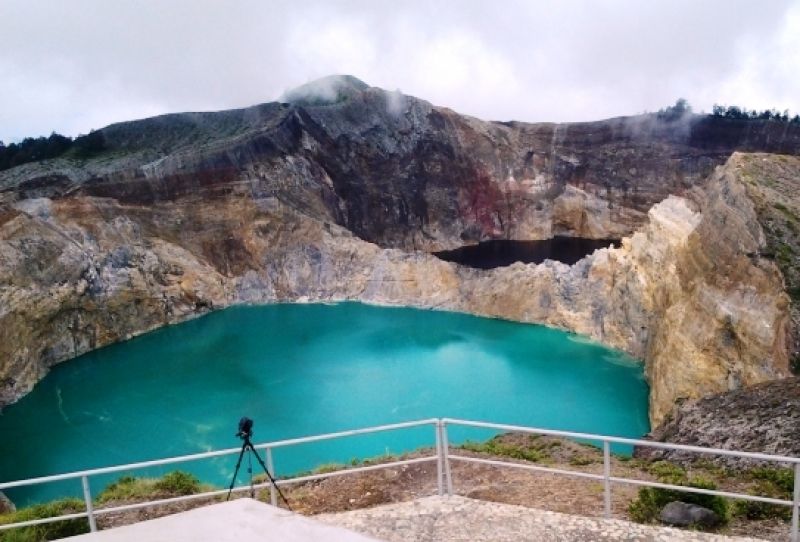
point(395, 103)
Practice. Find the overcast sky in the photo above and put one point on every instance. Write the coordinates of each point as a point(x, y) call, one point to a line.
point(74, 65)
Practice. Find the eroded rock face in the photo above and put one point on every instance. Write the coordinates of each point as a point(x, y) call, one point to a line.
point(764, 419)
point(290, 202)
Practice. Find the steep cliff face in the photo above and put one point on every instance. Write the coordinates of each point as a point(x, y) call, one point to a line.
point(325, 201)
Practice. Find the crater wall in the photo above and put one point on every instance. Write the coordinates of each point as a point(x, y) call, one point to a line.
point(188, 213)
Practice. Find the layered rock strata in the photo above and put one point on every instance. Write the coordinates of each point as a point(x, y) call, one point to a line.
point(296, 202)
point(688, 293)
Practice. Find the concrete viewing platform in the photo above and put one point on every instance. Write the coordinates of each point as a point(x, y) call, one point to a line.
point(240, 520)
point(429, 519)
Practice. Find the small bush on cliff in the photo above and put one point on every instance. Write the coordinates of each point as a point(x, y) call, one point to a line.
point(47, 531)
point(647, 507)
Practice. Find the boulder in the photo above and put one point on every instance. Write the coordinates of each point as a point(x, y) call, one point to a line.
point(681, 514)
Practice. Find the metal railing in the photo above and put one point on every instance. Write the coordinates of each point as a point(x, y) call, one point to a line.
point(443, 458)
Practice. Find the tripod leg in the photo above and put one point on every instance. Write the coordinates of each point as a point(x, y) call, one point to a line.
point(266, 470)
point(250, 472)
point(236, 470)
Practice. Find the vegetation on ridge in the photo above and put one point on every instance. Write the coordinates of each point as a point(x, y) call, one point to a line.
point(33, 149)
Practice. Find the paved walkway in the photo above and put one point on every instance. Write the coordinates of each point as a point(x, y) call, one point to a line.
point(457, 519)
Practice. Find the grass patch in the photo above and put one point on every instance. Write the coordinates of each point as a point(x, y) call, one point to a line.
point(496, 446)
point(130, 488)
point(47, 531)
point(668, 473)
point(580, 461)
point(328, 467)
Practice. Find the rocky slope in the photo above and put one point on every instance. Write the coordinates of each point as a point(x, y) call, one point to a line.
point(336, 197)
point(764, 418)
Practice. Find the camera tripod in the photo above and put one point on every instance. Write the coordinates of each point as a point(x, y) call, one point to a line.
point(247, 446)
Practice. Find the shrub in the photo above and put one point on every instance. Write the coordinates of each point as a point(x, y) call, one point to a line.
point(770, 482)
point(647, 507)
point(127, 488)
point(782, 479)
point(762, 510)
point(178, 483)
point(47, 531)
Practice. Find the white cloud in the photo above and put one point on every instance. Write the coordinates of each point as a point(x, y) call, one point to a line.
point(73, 66)
point(460, 64)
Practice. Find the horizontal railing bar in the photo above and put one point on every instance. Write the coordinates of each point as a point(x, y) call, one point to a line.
point(349, 433)
point(53, 519)
point(208, 455)
point(689, 489)
point(537, 468)
point(310, 477)
point(623, 440)
point(118, 468)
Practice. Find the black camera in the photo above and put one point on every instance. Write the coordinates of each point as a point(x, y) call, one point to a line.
point(245, 428)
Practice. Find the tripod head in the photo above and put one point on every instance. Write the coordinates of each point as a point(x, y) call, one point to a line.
point(245, 429)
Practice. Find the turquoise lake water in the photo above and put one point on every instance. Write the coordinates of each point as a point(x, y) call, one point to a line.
point(300, 370)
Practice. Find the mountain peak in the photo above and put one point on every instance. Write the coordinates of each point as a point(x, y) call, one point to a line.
point(325, 90)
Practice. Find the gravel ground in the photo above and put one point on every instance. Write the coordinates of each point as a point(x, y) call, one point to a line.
point(452, 519)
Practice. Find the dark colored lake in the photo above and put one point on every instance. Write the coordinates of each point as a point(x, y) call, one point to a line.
point(499, 253)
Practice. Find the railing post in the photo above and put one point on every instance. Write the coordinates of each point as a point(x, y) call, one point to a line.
point(606, 479)
point(795, 537)
point(439, 458)
point(87, 497)
point(273, 495)
point(446, 458)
